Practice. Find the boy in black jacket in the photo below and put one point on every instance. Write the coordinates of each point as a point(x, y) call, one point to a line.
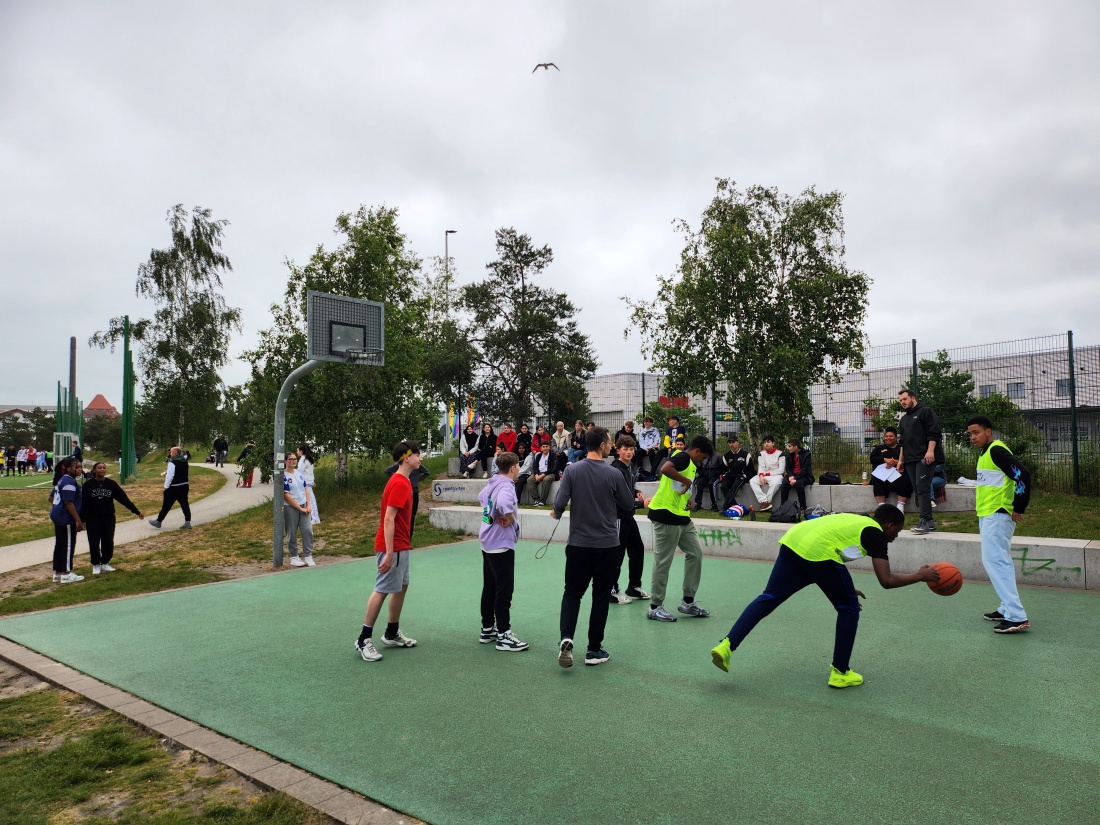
point(738, 471)
point(800, 474)
point(630, 539)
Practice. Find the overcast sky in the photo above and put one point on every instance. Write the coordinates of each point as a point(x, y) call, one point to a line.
point(963, 135)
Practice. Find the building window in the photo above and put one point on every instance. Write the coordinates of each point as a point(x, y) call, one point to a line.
point(986, 390)
point(1062, 388)
point(1016, 390)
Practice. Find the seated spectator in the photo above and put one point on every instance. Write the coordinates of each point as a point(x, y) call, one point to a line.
point(486, 447)
point(526, 467)
point(544, 475)
point(799, 472)
point(507, 437)
point(627, 430)
point(675, 430)
point(541, 437)
point(559, 439)
point(577, 447)
point(737, 474)
point(493, 468)
point(524, 437)
point(467, 451)
point(939, 484)
point(649, 445)
point(769, 474)
point(706, 481)
point(888, 453)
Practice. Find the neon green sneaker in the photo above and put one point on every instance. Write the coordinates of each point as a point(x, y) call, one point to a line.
point(721, 655)
point(843, 680)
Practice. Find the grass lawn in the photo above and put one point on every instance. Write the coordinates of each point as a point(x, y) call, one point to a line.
point(65, 760)
point(24, 513)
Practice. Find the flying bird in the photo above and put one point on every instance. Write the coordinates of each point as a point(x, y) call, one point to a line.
point(543, 66)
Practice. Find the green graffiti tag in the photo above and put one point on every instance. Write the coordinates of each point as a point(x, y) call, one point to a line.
point(720, 538)
point(1030, 566)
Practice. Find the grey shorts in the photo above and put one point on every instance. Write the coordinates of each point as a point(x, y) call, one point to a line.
point(396, 577)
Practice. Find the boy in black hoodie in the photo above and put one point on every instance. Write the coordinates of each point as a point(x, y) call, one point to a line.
point(630, 539)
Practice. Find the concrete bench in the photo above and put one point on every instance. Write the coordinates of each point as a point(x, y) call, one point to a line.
point(1072, 563)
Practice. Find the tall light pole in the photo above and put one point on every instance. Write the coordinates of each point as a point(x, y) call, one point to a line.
point(447, 249)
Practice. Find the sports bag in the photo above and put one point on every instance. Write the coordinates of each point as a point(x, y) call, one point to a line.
point(829, 478)
point(786, 513)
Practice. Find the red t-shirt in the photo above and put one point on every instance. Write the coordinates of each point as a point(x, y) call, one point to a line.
point(507, 441)
point(399, 494)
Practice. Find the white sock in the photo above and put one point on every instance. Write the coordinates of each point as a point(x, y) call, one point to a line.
point(901, 506)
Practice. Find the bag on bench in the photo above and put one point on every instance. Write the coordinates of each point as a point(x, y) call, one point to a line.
point(829, 478)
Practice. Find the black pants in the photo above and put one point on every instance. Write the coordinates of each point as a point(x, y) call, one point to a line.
point(731, 483)
point(706, 483)
point(920, 476)
point(171, 496)
point(101, 540)
point(799, 484)
point(64, 546)
point(498, 572)
point(415, 507)
point(630, 546)
point(585, 565)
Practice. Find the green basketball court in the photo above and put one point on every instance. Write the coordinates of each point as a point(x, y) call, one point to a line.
point(954, 723)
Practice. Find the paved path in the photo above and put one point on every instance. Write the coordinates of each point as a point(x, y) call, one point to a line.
point(226, 501)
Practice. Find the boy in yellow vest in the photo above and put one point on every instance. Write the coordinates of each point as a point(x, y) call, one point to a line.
point(1004, 489)
point(672, 528)
point(814, 552)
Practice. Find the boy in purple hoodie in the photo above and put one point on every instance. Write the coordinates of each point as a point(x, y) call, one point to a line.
point(498, 534)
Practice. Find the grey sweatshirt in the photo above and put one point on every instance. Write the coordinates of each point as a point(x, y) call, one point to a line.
point(596, 489)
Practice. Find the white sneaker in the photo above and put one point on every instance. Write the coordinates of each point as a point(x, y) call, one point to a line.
point(96, 569)
point(400, 640)
point(69, 578)
point(565, 653)
point(310, 562)
point(507, 641)
point(295, 561)
point(56, 578)
point(367, 651)
point(106, 568)
point(620, 597)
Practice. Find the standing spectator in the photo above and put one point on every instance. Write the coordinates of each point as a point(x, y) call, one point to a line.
point(507, 437)
point(175, 489)
point(468, 447)
point(738, 471)
point(798, 473)
point(577, 438)
point(247, 451)
point(524, 437)
point(97, 511)
point(78, 453)
point(415, 477)
point(595, 493)
point(526, 467)
point(296, 506)
point(630, 538)
point(673, 528)
point(559, 440)
point(889, 453)
point(21, 461)
point(921, 451)
point(543, 476)
point(769, 474)
point(486, 447)
point(10, 456)
point(497, 535)
point(49, 460)
point(392, 544)
point(32, 460)
point(41, 461)
point(306, 460)
point(1002, 495)
point(649, 445)
point(539, 438)
point(65, 515)
point(221, 450)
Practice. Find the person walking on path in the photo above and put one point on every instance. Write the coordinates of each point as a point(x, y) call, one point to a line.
point(672, 528)
point(65, 514)
point(296, 514)
point(306, 460)
point(221, 450)
point(392, 544)
point(176, 488)
point(921, 451)
point(497, 536)
point(1002, 495)
point(815, 552)
point(598, 493)
point(98, 513)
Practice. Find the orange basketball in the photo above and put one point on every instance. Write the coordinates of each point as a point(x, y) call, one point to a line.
point(951, 580)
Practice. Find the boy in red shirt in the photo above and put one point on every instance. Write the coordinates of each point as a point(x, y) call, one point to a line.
point(392, 544)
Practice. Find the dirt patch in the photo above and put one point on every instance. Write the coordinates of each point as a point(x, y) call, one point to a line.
point(15, 682)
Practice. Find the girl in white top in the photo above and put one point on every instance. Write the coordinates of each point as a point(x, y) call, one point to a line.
point(306, 460)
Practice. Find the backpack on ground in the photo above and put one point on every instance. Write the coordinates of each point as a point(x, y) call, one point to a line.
point(829, 478)
point(786, 513)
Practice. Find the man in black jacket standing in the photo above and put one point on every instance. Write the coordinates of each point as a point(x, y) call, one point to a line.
point(221, 450)
point(921, 451)
point(800, 473)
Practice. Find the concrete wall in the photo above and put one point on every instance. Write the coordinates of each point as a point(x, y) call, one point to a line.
point(1073, 563)
point(841, 498)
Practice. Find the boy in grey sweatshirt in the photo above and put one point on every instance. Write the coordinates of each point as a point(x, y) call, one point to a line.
point(498, 534)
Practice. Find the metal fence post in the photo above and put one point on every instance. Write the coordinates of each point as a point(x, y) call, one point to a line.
point(913, 381)
point(1073, 414)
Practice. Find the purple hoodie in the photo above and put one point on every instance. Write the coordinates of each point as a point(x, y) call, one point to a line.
point(497, 498)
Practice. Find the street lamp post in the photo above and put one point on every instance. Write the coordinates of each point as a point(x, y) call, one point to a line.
point(447, 249)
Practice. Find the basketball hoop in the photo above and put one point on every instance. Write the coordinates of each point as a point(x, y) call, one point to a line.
point(364, 357)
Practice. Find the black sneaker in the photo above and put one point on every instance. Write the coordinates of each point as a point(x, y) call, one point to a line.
point(1011, 627)
point(637, 593)
point(488, 636)
point(995, 616)
point(565, 653)
point(596, 657)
